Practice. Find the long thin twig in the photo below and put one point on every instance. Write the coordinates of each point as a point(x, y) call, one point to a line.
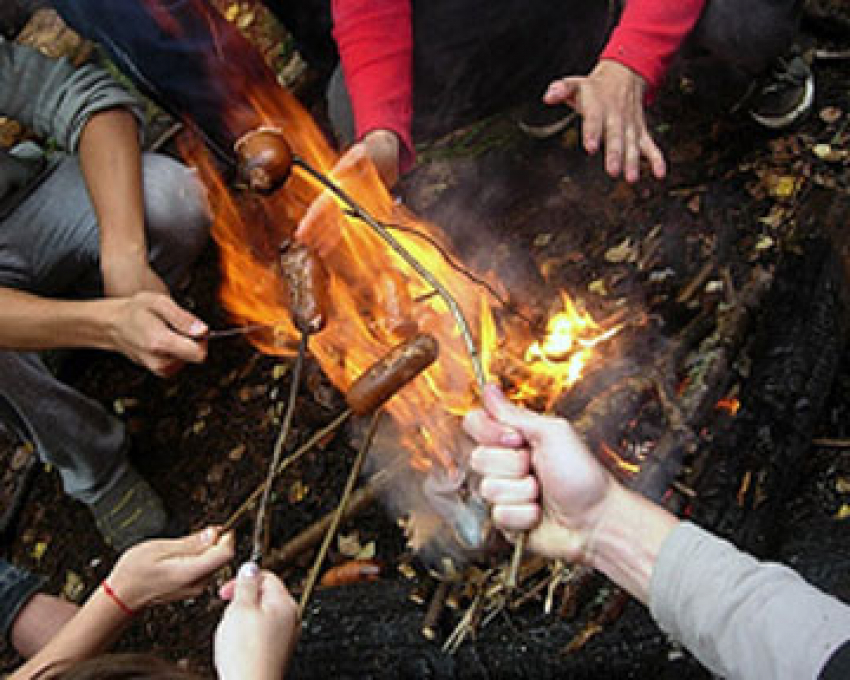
point(360, 213)
point(353, 476)
point(297, 455)
point(283, 435)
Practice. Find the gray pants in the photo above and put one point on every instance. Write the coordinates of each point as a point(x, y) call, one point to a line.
point(49, 246)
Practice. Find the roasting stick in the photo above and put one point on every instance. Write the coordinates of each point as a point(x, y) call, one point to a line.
point(283, 435)
point(266, 161)
point(367, 395)
point(353, 476)
point(362, 214)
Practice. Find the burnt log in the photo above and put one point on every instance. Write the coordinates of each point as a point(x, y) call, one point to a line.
point(756, 466)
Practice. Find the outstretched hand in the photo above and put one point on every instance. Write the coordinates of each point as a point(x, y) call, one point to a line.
point(319, 229)
point(155, 332)
point(170, 569)
point(259, 628)
point(610, 102)
point(538, 476)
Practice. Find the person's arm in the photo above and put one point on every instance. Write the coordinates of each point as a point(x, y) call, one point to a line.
point(375, 42)
point(649, 35)
point(152, 572)
point(110, 159)
point(148, 328)
point(741, 618)
point(84, 110)
point(611, 98)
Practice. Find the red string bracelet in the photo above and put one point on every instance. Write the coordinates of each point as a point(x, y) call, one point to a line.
point(117, 600)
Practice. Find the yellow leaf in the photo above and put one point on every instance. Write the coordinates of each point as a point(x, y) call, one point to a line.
point(38, 550)
point(232, 12)
point(843, 512)
point(598, 287)
point(783, 187)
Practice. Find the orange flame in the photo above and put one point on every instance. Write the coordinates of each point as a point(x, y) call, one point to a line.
point(376, 299)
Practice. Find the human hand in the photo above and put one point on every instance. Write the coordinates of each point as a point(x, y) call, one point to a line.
point(538, 476)
point(125, 274)
point(170, 569)
point(319, 229)
point(610, 102)
point(155, 332)
point(259, 628)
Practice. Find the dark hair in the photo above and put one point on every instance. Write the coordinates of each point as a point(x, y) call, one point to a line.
point(120, 667)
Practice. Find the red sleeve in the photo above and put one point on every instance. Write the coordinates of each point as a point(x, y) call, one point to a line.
point(649, 35)
point(375, 44)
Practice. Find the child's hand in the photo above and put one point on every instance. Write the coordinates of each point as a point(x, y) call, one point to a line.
point(168, 570)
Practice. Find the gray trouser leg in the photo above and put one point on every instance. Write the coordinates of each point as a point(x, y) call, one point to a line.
point(747, 34)
point(50, 246)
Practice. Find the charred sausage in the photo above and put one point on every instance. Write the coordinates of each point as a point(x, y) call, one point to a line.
point(392, 372)
point(307, 283)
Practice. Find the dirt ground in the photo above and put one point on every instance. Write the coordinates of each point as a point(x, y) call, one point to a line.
point(204, 438)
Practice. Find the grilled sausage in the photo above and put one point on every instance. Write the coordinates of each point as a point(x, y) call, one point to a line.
point(307, 284)
point(392, 372)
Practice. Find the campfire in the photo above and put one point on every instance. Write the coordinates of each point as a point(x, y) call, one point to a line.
point(643, 413)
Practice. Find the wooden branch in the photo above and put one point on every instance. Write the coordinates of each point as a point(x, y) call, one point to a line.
point(353, 476)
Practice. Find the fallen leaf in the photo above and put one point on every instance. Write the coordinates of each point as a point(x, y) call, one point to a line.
point(598, 287)
point(695, 204)
point(831, 114)
point(783, 186)
point(245, 19)
point(298, 492)
point(829, 154)
point(74, 587)
point(349, 544)
point(367, 552)
point(624, 252)
point(38, 550)
point(237, 452)
point(542, 240)
point(843, 512)
point(765, 243)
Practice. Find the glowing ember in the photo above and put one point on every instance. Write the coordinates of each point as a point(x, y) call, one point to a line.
point(730, 405)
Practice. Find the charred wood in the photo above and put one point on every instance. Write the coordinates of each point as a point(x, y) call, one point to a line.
point(795, 358)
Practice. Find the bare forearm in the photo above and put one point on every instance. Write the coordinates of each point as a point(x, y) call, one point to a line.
point(111, 162)
point(626, 544)
point(29, 322)
point(92, 630)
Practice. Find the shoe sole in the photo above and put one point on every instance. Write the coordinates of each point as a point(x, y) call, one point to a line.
point(547, 131)
point(786, 121)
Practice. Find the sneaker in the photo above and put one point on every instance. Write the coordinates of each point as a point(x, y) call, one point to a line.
point(130, 512)
point(786, 96)
point(543, 121)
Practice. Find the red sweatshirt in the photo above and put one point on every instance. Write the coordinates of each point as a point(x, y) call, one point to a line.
point(375, 45)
